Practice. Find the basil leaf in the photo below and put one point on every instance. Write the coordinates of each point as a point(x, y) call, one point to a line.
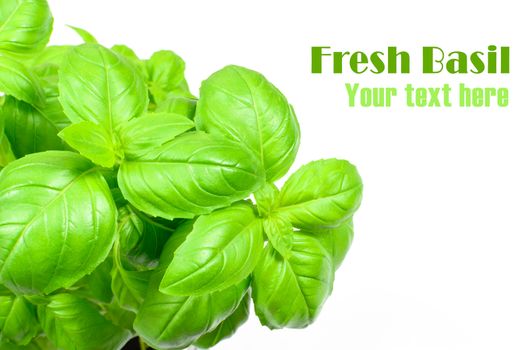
point(174, 242)
point(128, 286)
point(32, 129)
point(222, 250)
point(191, 175)
point(132, 58)
point(85, 35)
point(109, 91)
point(181, 105)
point(227, 327)
point(337, 241)
point(18, 323)
point(92, 141)
point(280, 233)
point(51, 55)
point(163, 321)
point(25, 25)
point(6, 153)
point(166, 74)
point(142, 238)
point(18, 81)
point(38, 343)
point(119, 316)
point(290, 292)
point(55, 227)
point(74, 323)
point(141, 135)
point(323, 193)
point(4, 291)
point(267, 198)
point(242, 105)
point(96, 286)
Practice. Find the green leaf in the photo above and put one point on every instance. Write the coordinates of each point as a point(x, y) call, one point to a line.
point(163, 319)
point(321, 194)
point(128, 286)
point(92, 141)
point(109, 91)
point(96, 286)
point(55, 227)
point(25, 25)
point(6, 153)
point(222, 250)
point(74, 323)
point(18, 323)
point(182, 105)
point(174, 242)
point(166, 321)
point(242, 105)
point(228, 327)
point(290, 292)
point(84, 35)
point(38, 343)
point(51, 55)
point(280, 233)
point(119, 316)
point(337, 240)
point(18, 81)
point(142, 238)
point(142, 135)
point(166, 74)
point(46, 64)
point(132, 58)
point(193, 174)
point(4, 291)
point(267, 198)
point(33, 129)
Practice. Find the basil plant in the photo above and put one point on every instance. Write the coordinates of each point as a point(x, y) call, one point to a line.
point(130, 208)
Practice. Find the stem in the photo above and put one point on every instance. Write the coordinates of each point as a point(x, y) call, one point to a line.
point(143, 345)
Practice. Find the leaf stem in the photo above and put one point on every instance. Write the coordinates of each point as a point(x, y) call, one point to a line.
point(143, 345)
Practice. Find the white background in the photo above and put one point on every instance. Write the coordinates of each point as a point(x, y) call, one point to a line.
point(438, 260)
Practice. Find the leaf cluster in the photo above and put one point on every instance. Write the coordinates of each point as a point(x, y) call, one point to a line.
point(131, 208)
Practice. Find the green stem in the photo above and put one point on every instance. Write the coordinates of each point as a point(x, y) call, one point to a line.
point(143, 345)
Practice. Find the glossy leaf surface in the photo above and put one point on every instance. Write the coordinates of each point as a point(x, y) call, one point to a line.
point(18, 323)
point(166, 74)
point(163, 320)
point(291, 292)
point(142, 135)
point(55, 227)
point(92, 141)
point(142, 238)
point(244, 106)
point(221, 250)
point(337, 241)
point(18, 81)
point(33, 129)
point(109, 91)
point(280, 234)
point(323, 193)
point(227, 327)
point(25, 25)
point(191, 175)
point(74, 323)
